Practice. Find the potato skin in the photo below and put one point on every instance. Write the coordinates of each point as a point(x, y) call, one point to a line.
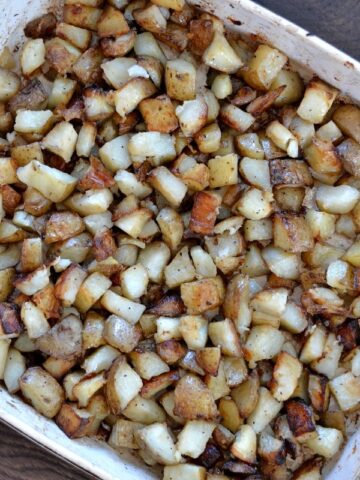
point(300, 417)
point(41, 27)
point(42, 390)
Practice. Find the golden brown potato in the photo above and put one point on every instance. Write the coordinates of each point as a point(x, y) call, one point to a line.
point(83, 16)
point(41, 27)
point(159, 114)
point(300, 418)
point(42, 391)
point(204, 213)
point(292, 233)
point(64, 340)
point(112, 23)
point(347, 119)
point(63, 225)
point(202, 295)
point(193, 400)
point(75, 422)
point(119, 46)
point(10, 325)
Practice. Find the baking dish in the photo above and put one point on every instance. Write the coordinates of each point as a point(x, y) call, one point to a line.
point(310, 55)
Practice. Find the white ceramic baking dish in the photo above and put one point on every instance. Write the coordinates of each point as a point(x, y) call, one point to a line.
point(312, 55)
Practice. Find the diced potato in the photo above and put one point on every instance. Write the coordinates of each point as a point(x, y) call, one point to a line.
point(265, 411)
point(146, 411)
point(286, 374)
point(202, 295)
point(244, 446)
point(154, 146)
point(317, 101)
point(193, 399)
point(112, 23)
point(264, 67)
point(32, 56)
point(340, 199)
point(83, 16)
point(224, 335)
point(221, 56)
point(79, 37)
point(254, 204)
point(294, 87)
point(263, 342)
point(122, 386)
point(29, 121)
point(146, 45)
point(157, 440)
point(193, 438)
point(347, 119)
point(52, 183)
point(9, 84)
point(42, 391)
point(346, 389)
point(128, 97)
point(191, 472)
point(223, 170)
point(292, 233)
point(98, 104)
point(192, 115)
point(14, 369)
point(314, 345)
point(236, 118)
point(123, 434)
point(171, 187)
point(121, 306)
point(204, 213)
point(283, 138)
point(319, 393)
point(327, 443)
point(281, 263)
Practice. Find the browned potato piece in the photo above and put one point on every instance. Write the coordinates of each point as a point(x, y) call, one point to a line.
point(202, 295)
point(204, 213)
point(41, 27)
point(119, 46)
point(309, 470)
point(63, 225)
point(112, 23)
point(246, 395)
point(87, 67)
point(150, 18)
point(208, 359)
point(64, 340)
point(193, 399)
point(200, 35)
point(82, 16)
point(61, 55)
point(42, 391)
point(300, 418)
point(75, 422)
point(10, 325)
point(319, 392)
point(349, 152)
point(159, 114)
point(170, 351)
point(290, 172)
point(347, 118)
point(292, 233)
point(33, 97)
point(46, 300)
point(174, 36)
point(322, 157)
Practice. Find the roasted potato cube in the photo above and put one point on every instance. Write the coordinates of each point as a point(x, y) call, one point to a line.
point(263, 342)
point(171, 187)
point(176, 5)
point(317, 101)
point(193, 399)
point(122, 386)
point(128, 97)
point(265, 411)
point(61, 55)
point(41, 27)
point(347, 119)
point(112, 23)
point(159, 114)
point(292, 233)
point(202, 295)
point(327, 442)
point(9, 84)
point(244, 446)
point(150, 18)
point(79, 37)
point(264, 67)
point(14, 369)
point(204, 213)
point(87, 66)
point(349, 152)
point(63, 340)
point(180, 80)
point(98, 104)
point(42, 391)
point(32, 56)
point(340, 199)
point(156, 439)
point(294, 87)
point(254, 204)
point(83, 16)
point(75, 422)
point(236, 118)
point(91, 290)
point(319, 392)
point(10, 325)
point(121, 306)
point(123, 434)
point(224, 335)
point(345, 389)
point(223, 170)
point(52, 183)
point(322, 157)
point(286, 374)
point(28, 121)
point(63, 225)
point(193, 438)
point(310, 470)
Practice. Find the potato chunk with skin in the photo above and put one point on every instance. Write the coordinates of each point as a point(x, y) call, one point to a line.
point(327, 442)
point(194, 330)
point(52, 183)
point(42, 391)
point(171, 187)
point(93, 287)
point(223, 170)
point(193, 399)
point(224, 335)
point(120, 334)
point(32, 56)
point(63, 225)
point(122, 386)
point(63, 340)
point(202, 295)
point(286, 374)
point(180, 80)
point(236, 118)
point(292, 233)
point(180, 269)
point(192, 115)
point(347, 118)
point(122, 307)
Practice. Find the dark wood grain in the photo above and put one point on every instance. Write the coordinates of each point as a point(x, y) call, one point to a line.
point(335, 21)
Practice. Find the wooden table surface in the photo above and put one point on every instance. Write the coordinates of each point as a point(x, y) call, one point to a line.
point(335, 21)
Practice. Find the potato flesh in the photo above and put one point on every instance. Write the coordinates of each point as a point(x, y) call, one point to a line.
point(165, 244)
